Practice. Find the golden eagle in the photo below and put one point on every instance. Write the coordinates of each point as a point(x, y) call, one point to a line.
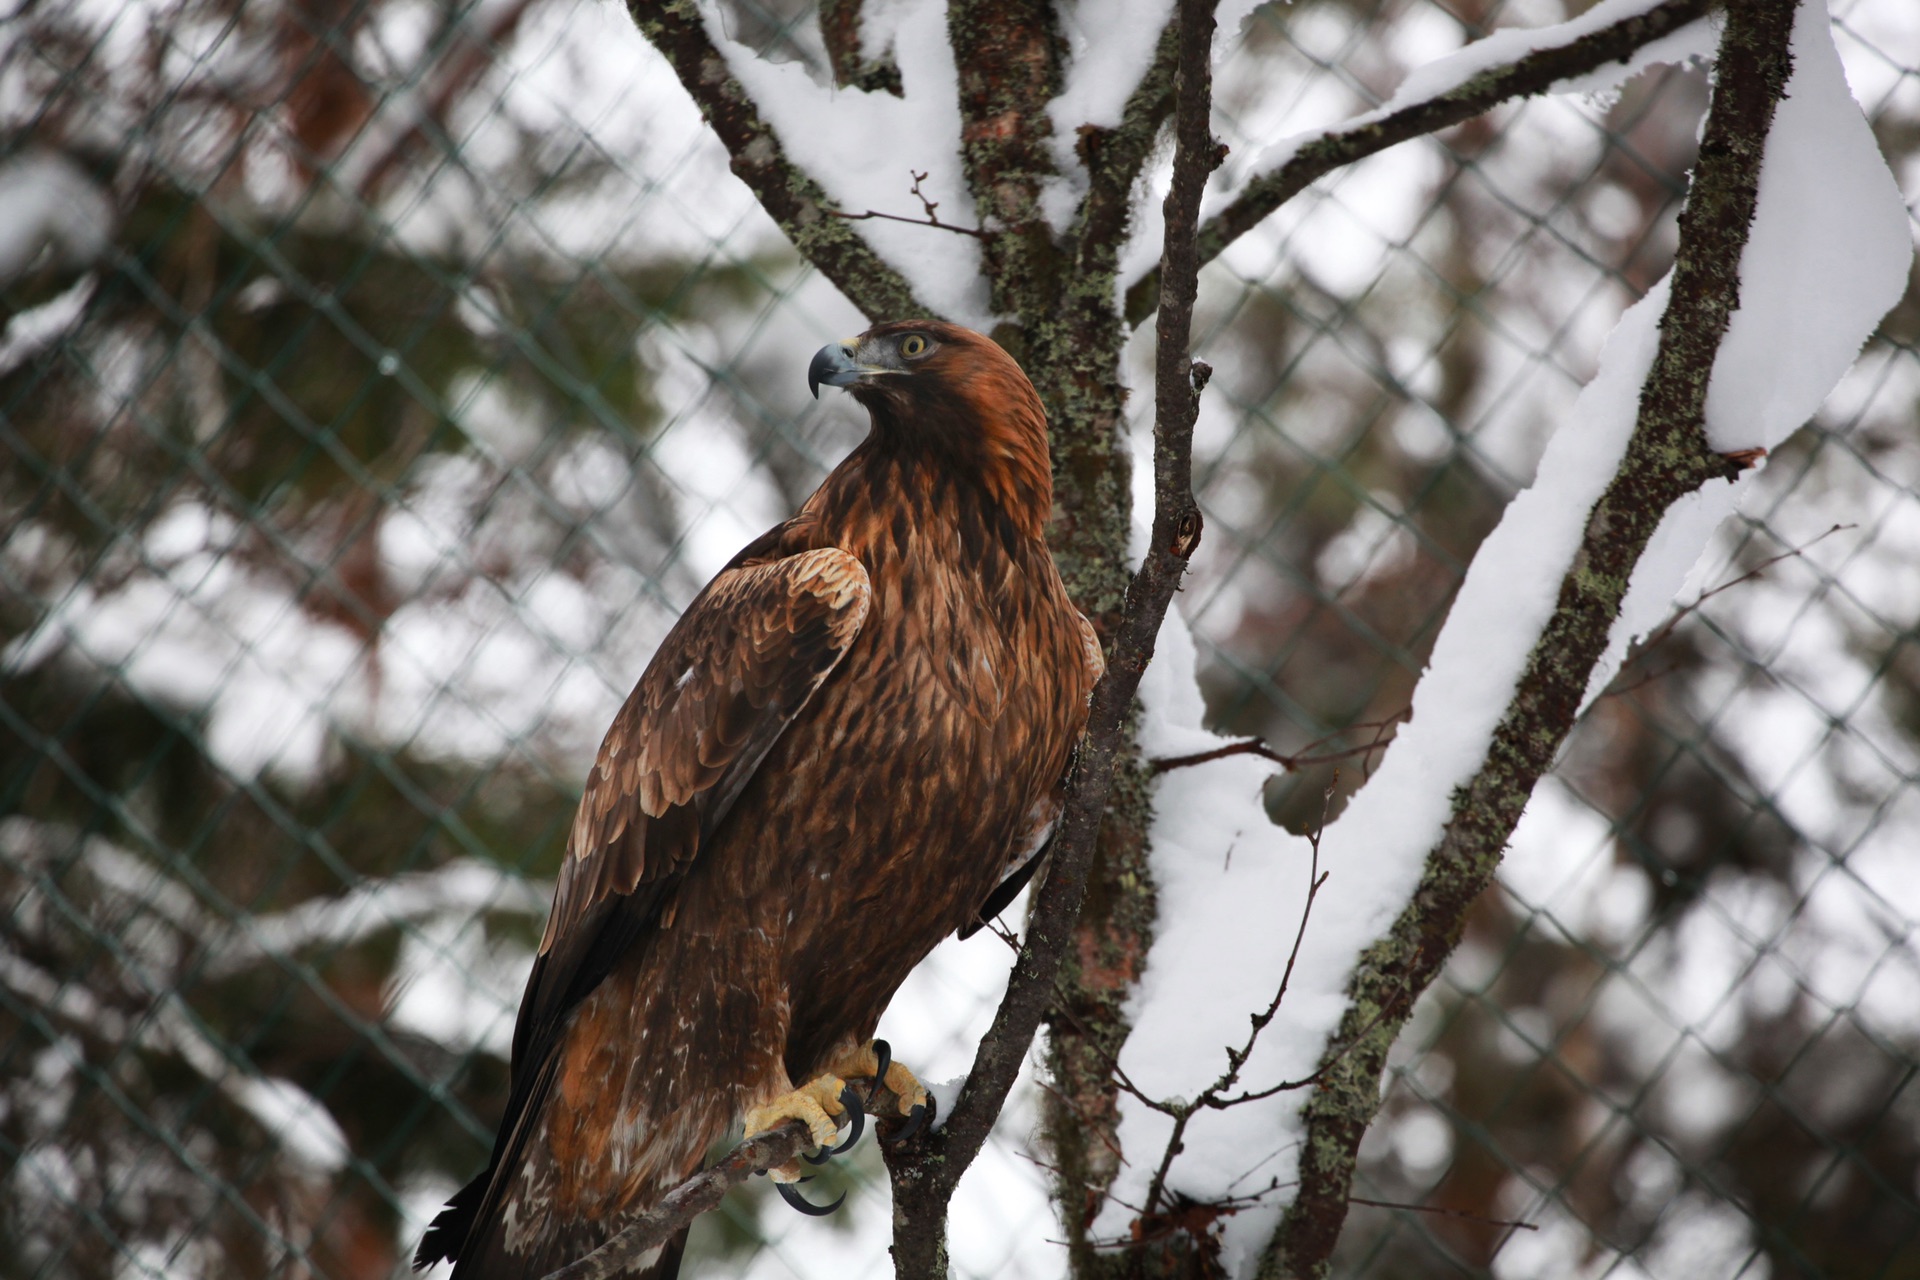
point(854, 742)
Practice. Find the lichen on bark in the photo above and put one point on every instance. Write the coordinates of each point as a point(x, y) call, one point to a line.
point(1667, 457)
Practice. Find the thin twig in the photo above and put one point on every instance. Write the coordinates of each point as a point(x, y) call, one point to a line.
point(1064, 1009)
point(931, 220)
point(1446, 1213)
point(1211, 1097)
point(935, 223)
point(1665, 629)
point(1320, 1072)
point(1302, 759)
point(1098, 1130)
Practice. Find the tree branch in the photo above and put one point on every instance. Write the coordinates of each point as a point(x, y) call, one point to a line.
point(787, 192)
point(1073, 341)
point(1383, 733)
point(1534, 74)
point(926, 1172)
point(840, 32)
point(1114, 158)
point(930, 207)
point(1008, 56)
point(622, 1254)
point(1667, 458)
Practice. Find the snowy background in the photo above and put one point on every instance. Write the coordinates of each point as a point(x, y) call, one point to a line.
point(376, 384)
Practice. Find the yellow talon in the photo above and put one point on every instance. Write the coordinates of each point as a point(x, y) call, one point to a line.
point(864, 1064)
point(817, 1103)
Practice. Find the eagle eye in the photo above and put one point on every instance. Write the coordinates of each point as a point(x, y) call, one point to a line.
point(913, 345)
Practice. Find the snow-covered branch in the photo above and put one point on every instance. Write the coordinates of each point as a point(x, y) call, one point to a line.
point(791, 195)
point(1586, 558)
point(1510, 64)
point(1669, 455)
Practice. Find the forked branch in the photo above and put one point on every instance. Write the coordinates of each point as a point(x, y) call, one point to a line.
point(1381, 737)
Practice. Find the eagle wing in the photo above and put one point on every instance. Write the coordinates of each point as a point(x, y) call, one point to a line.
point(725, 684)
point(733, 673)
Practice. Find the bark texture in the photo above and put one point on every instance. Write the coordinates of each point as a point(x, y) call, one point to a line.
point(1667, 458)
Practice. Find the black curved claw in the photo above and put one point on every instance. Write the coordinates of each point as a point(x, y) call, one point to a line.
point(915, 1118)
point(883, 1053)
point(798, 1201)
point(821, 1156)
point(851, 1101)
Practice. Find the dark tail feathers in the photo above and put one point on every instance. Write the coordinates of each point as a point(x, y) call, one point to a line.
point(450, 1234)
point(449, 1230)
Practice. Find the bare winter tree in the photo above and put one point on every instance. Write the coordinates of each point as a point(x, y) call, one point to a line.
point(1055, 203)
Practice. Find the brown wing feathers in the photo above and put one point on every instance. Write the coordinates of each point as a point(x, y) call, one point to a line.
point(725, 683)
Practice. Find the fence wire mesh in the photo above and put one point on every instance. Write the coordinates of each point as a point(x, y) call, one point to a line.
point(379, 377)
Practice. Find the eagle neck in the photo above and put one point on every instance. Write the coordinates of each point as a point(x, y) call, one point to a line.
point(879, 502)
point(982, 458)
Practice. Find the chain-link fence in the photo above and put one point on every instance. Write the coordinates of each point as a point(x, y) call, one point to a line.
point(377, 380)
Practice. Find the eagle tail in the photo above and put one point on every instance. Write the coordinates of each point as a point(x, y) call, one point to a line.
point(450, 1227)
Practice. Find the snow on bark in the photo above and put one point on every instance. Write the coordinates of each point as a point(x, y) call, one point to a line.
point(1827, 258)
point(1110, 46)
point(1499, 49)
point(865, 148)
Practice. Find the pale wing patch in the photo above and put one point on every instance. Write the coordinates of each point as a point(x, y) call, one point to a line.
point(1090, 650)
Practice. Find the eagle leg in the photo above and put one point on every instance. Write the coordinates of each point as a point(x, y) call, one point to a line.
point(851, 1101)
point(874, 1061)
point(818, 1103)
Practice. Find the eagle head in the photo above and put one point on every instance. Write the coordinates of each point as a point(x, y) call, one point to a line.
point(898, 361)
point(949, 393)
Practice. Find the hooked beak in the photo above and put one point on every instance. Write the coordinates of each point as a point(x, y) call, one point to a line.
point(833, 364)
